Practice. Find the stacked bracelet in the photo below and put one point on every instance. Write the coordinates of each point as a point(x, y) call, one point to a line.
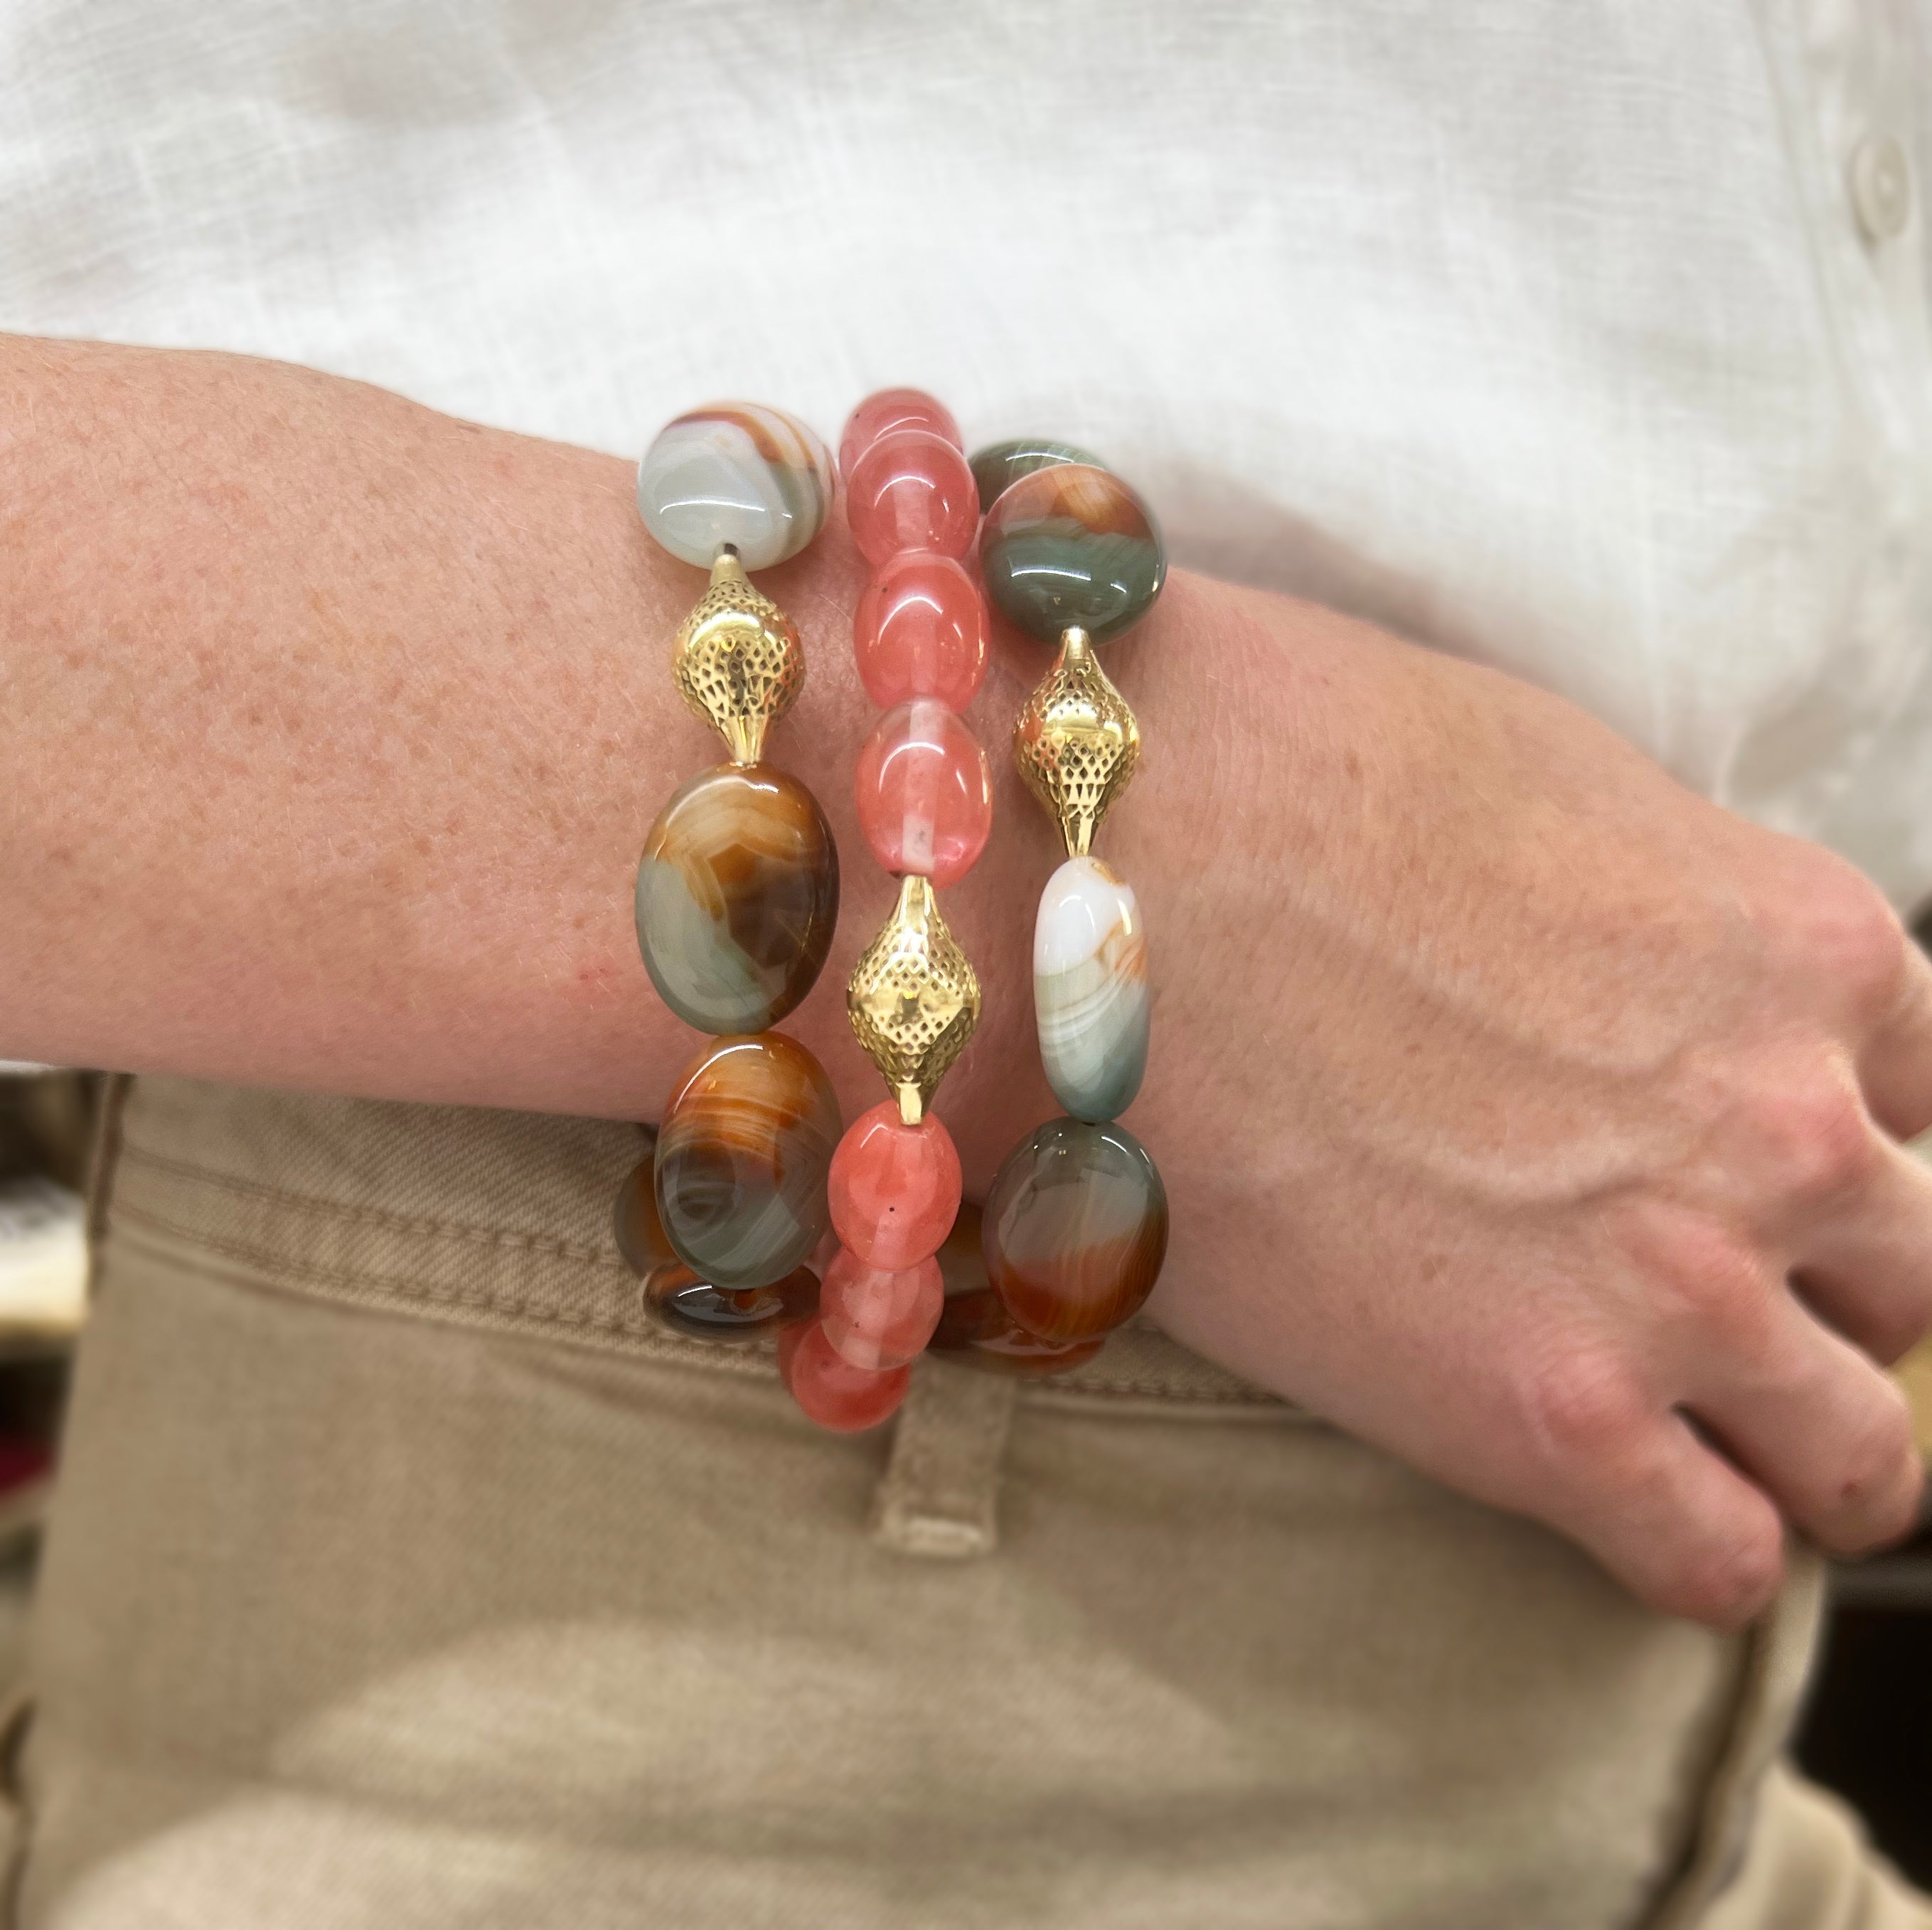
point(1074, 1230)
point(925, 802)
point(737, 896)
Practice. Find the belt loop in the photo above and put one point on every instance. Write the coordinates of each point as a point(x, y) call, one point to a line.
point(937, 1495)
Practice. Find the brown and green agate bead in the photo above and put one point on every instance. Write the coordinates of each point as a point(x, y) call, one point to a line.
point(999, 466)
point(1074, 1230)
point(1072, 546)
point(743, 1152)
point(681, 1303)
point(737, 897)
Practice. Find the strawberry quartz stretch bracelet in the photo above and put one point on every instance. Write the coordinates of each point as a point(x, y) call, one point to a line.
point(737, 895)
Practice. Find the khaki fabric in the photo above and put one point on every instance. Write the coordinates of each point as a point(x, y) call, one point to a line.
point(402, 1575)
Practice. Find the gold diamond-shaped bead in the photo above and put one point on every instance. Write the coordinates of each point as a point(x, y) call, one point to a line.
point(737, 659)
point(914, 999)
point(1076, 742)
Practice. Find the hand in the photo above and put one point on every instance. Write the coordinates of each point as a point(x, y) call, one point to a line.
point(1521, 1112)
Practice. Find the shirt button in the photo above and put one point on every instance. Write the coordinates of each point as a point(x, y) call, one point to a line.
point(1881, 187)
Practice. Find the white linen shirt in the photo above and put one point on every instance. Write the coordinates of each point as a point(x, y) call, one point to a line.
point(1590, 340)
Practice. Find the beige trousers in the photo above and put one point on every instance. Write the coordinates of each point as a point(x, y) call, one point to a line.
point(402, 1576)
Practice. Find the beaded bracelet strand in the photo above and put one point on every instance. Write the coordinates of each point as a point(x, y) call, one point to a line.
point(737, 896)
point(1074, 1230)
point(925, 801)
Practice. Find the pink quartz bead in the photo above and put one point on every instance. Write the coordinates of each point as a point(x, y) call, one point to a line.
point(925, 794)
point(894, 1189)
point(877, 1320)
point(921, 631)
point(912, 490)
point(832, 1391)
point(890, 409)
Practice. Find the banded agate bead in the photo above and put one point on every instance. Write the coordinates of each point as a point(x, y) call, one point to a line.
point(1089, 990)
point(1074, 1230)
point(894, 1189)
point(639, 1232)
point(975, 1330)
point(737, 898)
point(830, 1390)
point(999, 465)
point(887, 409)
point(920, 631)
point(1072, 546)
point(743, 1152)
point(735, 472)
point(924, 793)
point(911, 491)
point(681, 1303)
point(880, 1318)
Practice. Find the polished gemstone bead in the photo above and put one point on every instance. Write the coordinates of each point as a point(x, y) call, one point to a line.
point(1074, 1230)
point(634, 1219)
point(878, 1318)
point(1072, 546)
point(920, 630)
point(999, 466)
point(737, 897)
point(832, 1391)
point(743, 1151)
point(888, 409)
point(975, 1331)
point(681, 1303)
point(911, 491)
point(1089, 990)
point(894, 1188)
point(924, 793)
point(739, 473)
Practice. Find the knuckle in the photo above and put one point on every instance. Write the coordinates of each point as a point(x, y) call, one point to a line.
point(1818, 1143)
point(1579, 1403)
point(1725, 1579)
point(1877, 1482)
point(1851, 938)
point(1716, 1279)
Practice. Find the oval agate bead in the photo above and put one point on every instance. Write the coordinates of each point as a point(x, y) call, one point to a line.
point(894, 1189)
point(743, 1152)
point(920, 630)
point(924, 793)
point(975, 1330)
point(890, 409)
point(831, 1391)
point(634, 1220)
point(1089, 990)
point(737, 898)
point(878, 1319)
point(999, 465)
point(735, 472)
point(681, 1303)
point(1074, 1230)
point(911, 491)
point(1072, 544)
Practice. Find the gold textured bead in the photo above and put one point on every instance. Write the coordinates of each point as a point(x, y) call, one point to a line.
point(1076, 742)
point(914, 999)
point(737, 659)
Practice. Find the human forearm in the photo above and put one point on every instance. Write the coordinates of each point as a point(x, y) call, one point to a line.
point(332, 728)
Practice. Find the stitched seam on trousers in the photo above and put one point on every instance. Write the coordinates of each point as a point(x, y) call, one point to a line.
point(365, 1289)
point(407, 1302)
point(366, 1286)
point(377, 1216)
